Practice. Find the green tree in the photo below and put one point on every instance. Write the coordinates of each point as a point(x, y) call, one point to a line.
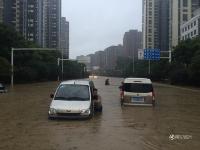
point(4, 69)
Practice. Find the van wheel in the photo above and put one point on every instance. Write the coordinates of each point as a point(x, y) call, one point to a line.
point(100, 109)
point(92, 111)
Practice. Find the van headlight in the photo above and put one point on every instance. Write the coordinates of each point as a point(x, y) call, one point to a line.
point(52, 111)
point(85, 111)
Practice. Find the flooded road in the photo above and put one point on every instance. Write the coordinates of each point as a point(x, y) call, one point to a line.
point(24, 124)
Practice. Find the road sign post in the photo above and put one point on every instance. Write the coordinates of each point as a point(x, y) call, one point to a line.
point(151, 55)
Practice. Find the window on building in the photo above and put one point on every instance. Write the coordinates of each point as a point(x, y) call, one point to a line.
point(150, 40)
point(194, 23)
point(185, 3)
point(185, 17)
point(195, 32)
point(185, 10)
point(150, 30)
point(185, 28)
point(191, 33)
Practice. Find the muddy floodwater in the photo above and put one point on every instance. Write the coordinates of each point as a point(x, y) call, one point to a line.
point(174, 124)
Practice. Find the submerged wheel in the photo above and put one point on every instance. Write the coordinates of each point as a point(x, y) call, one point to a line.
point(100, 109)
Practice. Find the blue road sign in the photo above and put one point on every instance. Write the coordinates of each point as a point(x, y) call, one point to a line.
point(151, 54)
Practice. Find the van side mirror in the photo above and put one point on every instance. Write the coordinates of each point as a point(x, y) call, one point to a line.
point(51, 95)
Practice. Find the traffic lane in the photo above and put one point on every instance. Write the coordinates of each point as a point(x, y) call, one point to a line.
point(177, 112)
point(23, 111)
point(117, 128)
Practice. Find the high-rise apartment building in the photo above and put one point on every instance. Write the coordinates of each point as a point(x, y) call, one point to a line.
point(191, 28)
point(30, 20)
point(111, 55)
point(65, 37)
point(163, 25)
point(180, 12)
point(11, 13)
point(132, 41)
point(162, 20)
point(149, 23)
point(38, 21)
point(1, 11)
point(53, 23)
point(156, 24)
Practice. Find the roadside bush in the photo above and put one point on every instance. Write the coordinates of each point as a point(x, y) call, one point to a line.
point(179, 75)
point(25, 74)
point(4, 70)
point(195, 69)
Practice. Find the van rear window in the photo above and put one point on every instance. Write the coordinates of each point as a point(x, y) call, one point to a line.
point(138, 87)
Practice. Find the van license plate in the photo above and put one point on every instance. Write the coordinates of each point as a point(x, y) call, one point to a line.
point(137, 99)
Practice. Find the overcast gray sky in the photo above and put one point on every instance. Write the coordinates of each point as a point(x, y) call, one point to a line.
point(98, 24)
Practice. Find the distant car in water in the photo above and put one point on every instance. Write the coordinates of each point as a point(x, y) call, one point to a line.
point(73, 99)
point(2, 88)
point(137, 91)
point(93, 77)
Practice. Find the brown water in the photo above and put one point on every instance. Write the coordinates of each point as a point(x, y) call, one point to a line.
point(24, 124)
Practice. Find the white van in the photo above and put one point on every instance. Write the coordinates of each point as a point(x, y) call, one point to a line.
point(72, 99)
point(138, 91)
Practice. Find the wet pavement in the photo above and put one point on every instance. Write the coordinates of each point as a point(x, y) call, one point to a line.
point(174, 124)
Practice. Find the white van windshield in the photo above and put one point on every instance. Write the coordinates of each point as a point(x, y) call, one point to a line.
point(138, 87)
point(73, 92)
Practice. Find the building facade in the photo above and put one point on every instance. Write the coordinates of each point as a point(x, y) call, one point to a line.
point(191, 28)
point(111, 55)
point(180, 12)
point(150, 24)
point(53, 24)
point(1, 11)
point(162, 20)
point(132, 41)
point(30, 20)
point(11, 14)
point(163, 25)
point(107, 59)
point(156, 24)
point(38, 21)
point(65, 37)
